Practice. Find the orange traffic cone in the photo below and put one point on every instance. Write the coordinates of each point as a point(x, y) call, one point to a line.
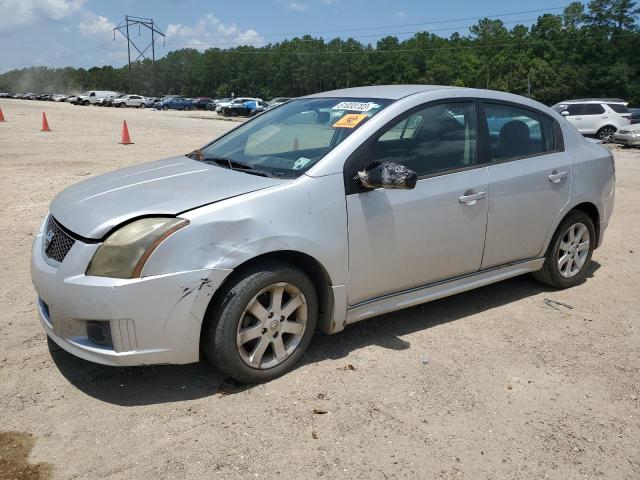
point(1, 116)
point(296, 145)
point(126, 140)
point(45, 124)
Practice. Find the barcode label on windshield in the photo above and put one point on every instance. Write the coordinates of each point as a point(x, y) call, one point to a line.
point(356, 106)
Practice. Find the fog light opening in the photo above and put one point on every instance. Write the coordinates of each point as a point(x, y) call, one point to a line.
point(100, 333)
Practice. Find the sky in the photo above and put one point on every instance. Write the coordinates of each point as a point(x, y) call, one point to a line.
point(79, 33)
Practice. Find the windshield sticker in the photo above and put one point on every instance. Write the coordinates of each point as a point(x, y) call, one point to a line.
point(300, 163)
point(350, 120)
point(356, 106)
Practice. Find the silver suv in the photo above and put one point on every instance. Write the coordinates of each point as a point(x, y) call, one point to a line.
point(318, 213)
point(601, 117)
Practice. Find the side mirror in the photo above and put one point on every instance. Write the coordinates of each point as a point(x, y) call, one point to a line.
point(564, 113)
point(387, 175)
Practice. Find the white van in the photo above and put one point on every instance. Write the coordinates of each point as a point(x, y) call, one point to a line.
point(93, 95)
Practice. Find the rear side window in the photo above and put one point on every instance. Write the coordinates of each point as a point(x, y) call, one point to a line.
point(618, 107)
point(517, 132)
point(593, 109)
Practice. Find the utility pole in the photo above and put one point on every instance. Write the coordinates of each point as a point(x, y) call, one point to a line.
point(123, 28)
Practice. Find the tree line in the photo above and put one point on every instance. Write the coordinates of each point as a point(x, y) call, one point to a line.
point(587, 51)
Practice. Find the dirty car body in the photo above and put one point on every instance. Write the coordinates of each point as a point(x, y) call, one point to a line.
point(366, 247)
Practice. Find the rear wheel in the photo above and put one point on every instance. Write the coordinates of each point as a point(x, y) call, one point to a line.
point(569, 254)
point(165, 107)
point(262, 324)
point(142, 105)
point(605, 134)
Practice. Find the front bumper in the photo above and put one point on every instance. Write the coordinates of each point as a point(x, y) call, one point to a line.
point(626, 139)
point(151, 320)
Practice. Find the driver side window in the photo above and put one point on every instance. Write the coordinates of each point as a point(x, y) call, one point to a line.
point(432, 140)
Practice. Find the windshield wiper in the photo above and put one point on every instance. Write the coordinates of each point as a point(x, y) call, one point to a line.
point(239, 166)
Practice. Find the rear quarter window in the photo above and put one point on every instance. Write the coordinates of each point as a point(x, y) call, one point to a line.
point(618, 107)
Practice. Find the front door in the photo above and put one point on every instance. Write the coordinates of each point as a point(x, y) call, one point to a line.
point(402, 239)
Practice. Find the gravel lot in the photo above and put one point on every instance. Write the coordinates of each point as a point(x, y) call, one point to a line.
point(495, 383)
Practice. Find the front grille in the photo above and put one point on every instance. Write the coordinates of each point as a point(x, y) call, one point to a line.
point(57, 242)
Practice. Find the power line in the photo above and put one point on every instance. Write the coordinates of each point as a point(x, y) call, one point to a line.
point(381, 34)
point(436, 22)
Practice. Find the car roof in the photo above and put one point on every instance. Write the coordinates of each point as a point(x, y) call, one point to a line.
point(392, 92)
point(595, 100)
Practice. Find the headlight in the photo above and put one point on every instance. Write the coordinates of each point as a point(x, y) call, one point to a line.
point(124, 252)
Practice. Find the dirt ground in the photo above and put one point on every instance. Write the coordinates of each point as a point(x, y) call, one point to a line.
point(496, 383)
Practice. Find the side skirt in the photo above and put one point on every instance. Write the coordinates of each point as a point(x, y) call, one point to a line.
point(434, 291)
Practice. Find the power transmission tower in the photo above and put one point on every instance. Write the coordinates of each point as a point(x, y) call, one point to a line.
point(123, 28)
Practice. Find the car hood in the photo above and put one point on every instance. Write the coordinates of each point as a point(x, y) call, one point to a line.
point(95, 206)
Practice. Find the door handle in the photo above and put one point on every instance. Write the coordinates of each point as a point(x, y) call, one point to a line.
point(578, 118)
point(472, 198)
point(556, 176)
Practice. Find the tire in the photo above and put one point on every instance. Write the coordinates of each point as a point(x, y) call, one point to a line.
point(85, 103)
point(605, 134)
point(222, 337)
point(569, 275)
point(164, 107)
point(142, 105)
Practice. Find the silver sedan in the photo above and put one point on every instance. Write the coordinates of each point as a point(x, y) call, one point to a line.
point(629, 136)
point(321, 212)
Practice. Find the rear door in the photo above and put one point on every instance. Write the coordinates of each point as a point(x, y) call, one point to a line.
point(529, 181)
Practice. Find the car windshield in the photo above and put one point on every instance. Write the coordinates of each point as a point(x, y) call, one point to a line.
point(288, 140)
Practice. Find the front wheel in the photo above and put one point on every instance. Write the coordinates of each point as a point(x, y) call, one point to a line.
point(142, 105)
point(605, 134)
point(262, 323)
point(569, 253)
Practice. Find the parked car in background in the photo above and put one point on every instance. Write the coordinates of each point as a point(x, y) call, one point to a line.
point(323, 212)
point(92, 96)
point(236, 101)
point(628, 136)
point(244, 109)
point(58, 97)
point(635, 116)
point(174, 104)
point(601, 117)
point(274, 102)
point(104, 101)
point(72, 99)
point(202, 103)
point(130, 101)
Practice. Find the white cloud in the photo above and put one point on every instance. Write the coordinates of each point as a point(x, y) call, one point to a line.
point(211, 32)
point(297, 6)
point(95, 25)
point(15, 13)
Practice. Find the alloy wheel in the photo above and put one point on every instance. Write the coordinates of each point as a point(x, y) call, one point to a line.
point(606, 134)
point(272, 325)
point(573, 250)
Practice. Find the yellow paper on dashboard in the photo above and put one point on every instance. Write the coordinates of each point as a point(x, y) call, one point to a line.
point(350, 120)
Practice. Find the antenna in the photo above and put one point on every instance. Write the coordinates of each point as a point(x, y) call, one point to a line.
point(123, 28)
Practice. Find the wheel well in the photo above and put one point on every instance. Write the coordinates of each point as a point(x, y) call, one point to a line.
point(309, 265)
point(591, 210)
point(608, 125)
